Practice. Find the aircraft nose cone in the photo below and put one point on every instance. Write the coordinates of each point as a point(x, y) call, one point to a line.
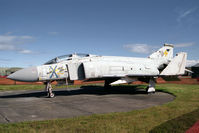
point(29, 74)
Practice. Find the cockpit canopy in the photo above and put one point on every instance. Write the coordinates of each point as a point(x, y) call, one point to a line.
point(66, 57)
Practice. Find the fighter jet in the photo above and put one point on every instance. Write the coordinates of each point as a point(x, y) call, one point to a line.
point(112, 69)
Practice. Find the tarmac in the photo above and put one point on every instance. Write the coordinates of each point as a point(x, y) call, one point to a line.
point(33, 105)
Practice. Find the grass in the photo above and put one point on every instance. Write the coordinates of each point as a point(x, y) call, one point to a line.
point(175, 116)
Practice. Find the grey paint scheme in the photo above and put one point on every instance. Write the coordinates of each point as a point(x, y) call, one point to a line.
point(112, 68)
point(29, 74)
point(93, 66)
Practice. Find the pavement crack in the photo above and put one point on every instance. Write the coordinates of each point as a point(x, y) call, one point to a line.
point(72, 107)
point(5, 118)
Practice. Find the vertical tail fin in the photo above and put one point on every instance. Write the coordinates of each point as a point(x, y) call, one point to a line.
point(165, 52)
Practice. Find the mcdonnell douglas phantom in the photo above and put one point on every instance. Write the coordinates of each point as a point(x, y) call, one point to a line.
point(112, 69)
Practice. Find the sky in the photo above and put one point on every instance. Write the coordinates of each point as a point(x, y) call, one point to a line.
point(35, 31)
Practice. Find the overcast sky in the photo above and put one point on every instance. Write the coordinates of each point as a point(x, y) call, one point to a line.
point(34, 31)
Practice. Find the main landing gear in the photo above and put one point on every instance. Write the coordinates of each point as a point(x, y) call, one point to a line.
point(151, 87)
point(48, 89)
point(107, 84)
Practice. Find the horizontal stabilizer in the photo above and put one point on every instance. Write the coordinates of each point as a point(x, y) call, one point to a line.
point(176, 66)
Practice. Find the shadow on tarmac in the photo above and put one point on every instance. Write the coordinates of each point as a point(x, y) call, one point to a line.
point(91, 90)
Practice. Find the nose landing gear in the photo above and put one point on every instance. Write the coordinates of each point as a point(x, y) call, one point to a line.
point(48, 89)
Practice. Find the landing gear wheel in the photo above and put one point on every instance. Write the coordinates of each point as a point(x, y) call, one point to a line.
point(151, 88)
point(151, 93)
point(51, 95)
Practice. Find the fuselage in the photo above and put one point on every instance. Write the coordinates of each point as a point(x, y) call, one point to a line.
point(93, 66)
point(112, 69)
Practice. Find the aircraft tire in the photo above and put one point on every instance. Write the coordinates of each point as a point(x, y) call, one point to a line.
point(51, 95)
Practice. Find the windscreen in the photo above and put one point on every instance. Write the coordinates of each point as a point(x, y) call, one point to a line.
point(65, 57)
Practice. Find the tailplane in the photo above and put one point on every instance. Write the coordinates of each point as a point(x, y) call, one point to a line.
point(176, 66)
point(165, 52)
